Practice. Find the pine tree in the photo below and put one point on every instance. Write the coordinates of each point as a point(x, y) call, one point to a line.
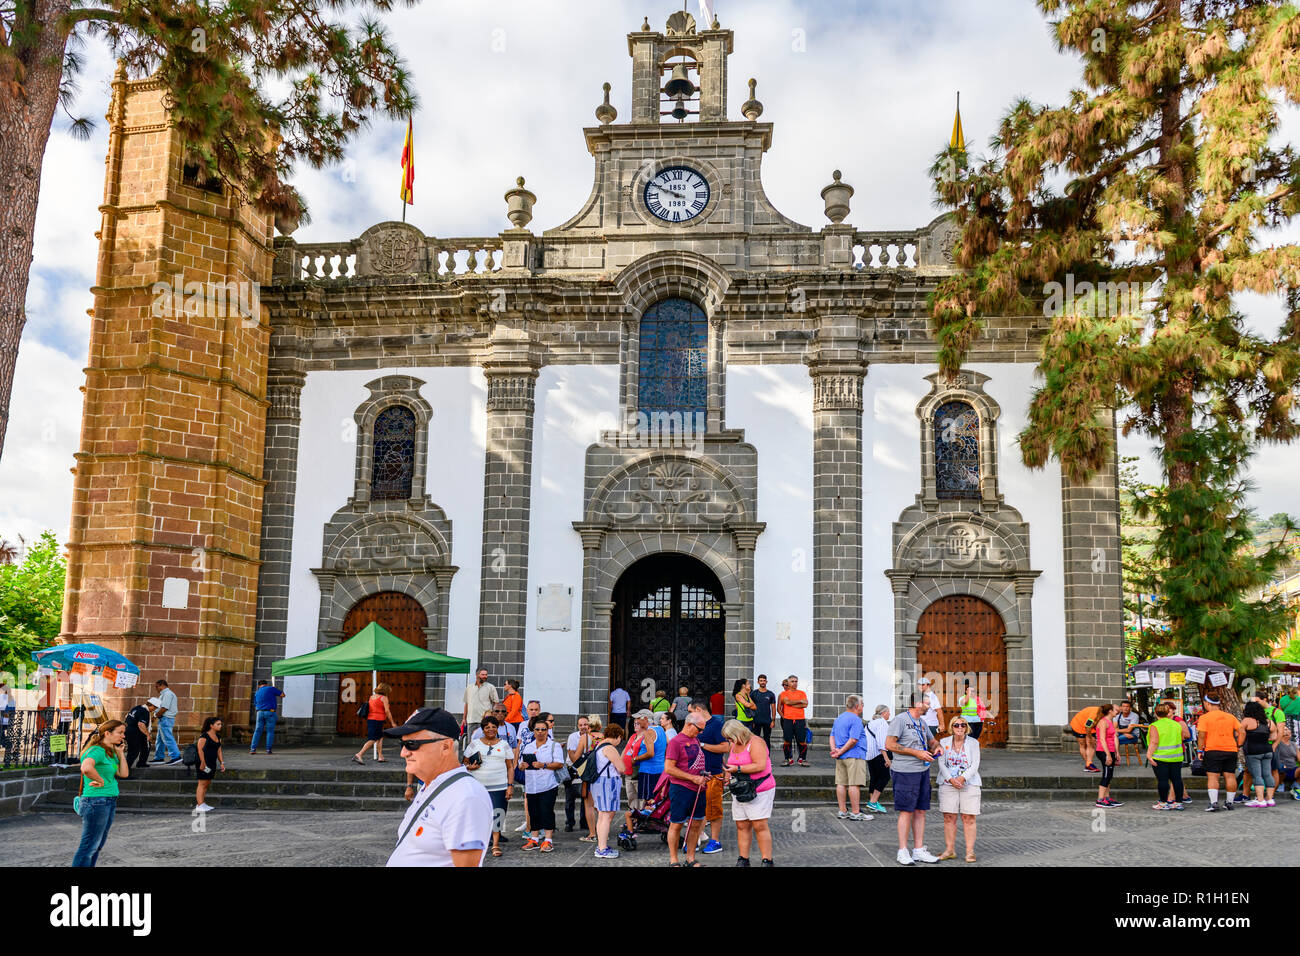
point(1131, 215)
point(257, 85)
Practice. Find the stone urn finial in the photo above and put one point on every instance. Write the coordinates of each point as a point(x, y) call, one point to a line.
point(645, 25)
point(752, 108)
point(836, 196)
point(605, 112)
point(519, 205)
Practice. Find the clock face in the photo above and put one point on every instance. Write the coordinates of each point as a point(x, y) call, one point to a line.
point(677, 194)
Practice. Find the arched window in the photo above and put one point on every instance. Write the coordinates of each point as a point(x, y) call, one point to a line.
point(673, 358)
point(956, 450)
point(394, 460)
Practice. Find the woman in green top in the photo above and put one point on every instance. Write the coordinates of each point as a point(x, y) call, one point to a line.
point(744, 703)
point(1165, 754)
point(102, 763)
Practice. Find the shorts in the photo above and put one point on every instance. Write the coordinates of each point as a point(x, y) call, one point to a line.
point(1220, 761)
point(374, 729)
point(1075, 733)
point(850, 772)
point(631, 788)
point(605, 794)
point(760, 808)
point(684, 804)
point(911, 790)
point(713, 799)
point(966, 800)
point(646, 782)
point(205, 774)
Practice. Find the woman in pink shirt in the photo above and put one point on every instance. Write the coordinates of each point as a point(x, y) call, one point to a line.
point(749, 755)
point(1107, 754)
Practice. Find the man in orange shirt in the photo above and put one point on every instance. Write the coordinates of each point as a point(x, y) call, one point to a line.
point(1082, 726)
point(790, 707)
point(1219, 736)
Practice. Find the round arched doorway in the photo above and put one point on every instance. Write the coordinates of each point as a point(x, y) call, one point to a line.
point(669, 629)
point(403, 616)
point(962, 640)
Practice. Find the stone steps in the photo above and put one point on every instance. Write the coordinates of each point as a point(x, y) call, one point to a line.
point(367, 789)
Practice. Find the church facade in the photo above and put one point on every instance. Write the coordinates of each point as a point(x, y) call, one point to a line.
point(676, 440)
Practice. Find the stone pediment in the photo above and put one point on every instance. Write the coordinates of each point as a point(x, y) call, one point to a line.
point(384, 542)
point(961, 544)
point(668, 491)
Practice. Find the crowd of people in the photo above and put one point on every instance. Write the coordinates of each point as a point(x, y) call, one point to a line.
point(1246, 761)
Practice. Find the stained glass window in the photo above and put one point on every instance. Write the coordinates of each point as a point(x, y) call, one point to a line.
point(957, 450)
point(674, 358)
point(394, 454)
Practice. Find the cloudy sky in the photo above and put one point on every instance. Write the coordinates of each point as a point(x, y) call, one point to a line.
point(506, 87)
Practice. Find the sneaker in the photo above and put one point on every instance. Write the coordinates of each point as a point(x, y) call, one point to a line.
point(1238, 797)
point(788, 763)
point(742, 861)
point(1113, 803)
point(609, 853)
point(1160, 806)
point(1102, 803)
point(270, 751)
point(174, 761)
point(1212, 808)
point(905, 858)
point(531, 844)
point(547, 846)
point(202, 808)
point(922, 855)
point(842, 815)
point(1176, 806)
point(1296, 794)
point(803, 763)
point(875, 808)
point(522, 828)
point(1091, 769)
point(252, 751)
point(1256, 803)
point(713, 846)
point(767, 863)
point(1227, 806)
point(860, 816)
point(1269, 803)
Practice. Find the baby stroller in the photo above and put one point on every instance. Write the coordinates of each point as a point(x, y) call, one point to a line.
point(652, 818)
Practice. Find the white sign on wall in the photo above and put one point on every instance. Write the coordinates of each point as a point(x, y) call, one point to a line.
point(176, 592)
point(783, 630)
point(554, 607)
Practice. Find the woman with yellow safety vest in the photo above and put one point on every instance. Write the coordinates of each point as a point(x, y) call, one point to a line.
point(1165, 754)
point(972, 711)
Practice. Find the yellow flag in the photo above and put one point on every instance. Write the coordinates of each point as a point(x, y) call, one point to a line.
point(958, 140)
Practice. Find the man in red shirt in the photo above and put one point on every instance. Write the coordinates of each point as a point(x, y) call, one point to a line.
point(790, 706)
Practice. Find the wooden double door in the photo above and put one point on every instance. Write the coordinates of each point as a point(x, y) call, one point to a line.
point(404, 617)
point(962, 639)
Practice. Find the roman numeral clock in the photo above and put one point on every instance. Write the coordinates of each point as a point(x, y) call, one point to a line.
point(676, 194)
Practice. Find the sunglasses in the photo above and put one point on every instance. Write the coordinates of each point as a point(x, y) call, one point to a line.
point(960, 724)
point(414, 745)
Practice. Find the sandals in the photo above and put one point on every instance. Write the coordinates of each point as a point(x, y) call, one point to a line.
point(970, 858)
point(380, 760)
point(496, 851)
point(358, 760)
point(947, 855)
point(587, 839)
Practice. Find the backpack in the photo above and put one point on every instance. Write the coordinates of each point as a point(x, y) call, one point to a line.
point(587, 769)
point(191, 756)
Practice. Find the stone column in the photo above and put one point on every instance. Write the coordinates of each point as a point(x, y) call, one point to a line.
point(507, 481)
point(280, 469)
point(1017, 698)
point(435, 637)
point(1094, 605)
point(837, 536)
point(593, 675)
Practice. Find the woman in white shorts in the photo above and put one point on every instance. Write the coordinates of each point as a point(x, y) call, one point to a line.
point(750, 755)
point(606, 788)
point(959, 786)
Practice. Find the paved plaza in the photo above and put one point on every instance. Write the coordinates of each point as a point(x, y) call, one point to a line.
point(1011, 834)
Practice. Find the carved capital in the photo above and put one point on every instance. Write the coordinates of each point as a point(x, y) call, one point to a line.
point(592, 534)
point(746, 535)
point(510, 391)
point(900, 582)
point(283, 393)
point(443, 576)
point(837, 390)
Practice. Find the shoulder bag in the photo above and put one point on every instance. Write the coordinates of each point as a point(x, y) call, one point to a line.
point(428, 800)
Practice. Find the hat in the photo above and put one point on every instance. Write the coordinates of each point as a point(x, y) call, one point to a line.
point(647, 714)
point(154, 702)
point(433, 719)
point(1211, 700)
point(924, 680)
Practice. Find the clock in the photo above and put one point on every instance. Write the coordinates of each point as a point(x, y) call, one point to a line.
point(676, 194)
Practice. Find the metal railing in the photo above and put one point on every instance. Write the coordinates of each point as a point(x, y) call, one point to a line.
point(25, 738)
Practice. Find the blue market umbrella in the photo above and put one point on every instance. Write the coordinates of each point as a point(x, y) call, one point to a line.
point(62, 657)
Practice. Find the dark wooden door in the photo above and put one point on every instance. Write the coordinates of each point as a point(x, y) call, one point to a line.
point(961, 640)
point(404, 617)
point(669, 629)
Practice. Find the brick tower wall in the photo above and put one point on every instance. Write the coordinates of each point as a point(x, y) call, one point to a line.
point(169, 471)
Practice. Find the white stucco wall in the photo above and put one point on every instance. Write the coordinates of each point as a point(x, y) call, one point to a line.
point(327, 476)
point(892, 479)
point(773, 404)
point(573, 405)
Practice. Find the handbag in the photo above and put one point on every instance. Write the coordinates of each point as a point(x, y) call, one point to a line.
point(562, 776)
point(744, 787)
point(363, 710)
point(76, 801)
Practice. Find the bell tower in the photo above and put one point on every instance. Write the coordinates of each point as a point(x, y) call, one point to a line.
point(167, 501)
point(682, 52)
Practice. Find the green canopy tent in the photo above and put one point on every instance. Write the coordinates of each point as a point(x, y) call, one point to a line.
point(371, 649)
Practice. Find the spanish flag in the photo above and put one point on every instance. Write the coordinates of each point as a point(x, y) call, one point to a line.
point(958, 140)
point(408, 168)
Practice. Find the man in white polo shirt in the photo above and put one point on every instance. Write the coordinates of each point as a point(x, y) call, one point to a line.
point(933, 716)
point(449, 823)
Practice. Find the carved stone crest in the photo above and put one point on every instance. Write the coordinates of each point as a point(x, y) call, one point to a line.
point(671, 494)
point(943, 240)
point(958, 546)
point(393, 250)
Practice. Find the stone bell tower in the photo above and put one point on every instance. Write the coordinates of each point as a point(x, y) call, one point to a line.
point(167, 502)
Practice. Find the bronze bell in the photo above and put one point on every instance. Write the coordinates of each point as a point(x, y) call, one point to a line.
point(679, 111)
point(679, 84)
